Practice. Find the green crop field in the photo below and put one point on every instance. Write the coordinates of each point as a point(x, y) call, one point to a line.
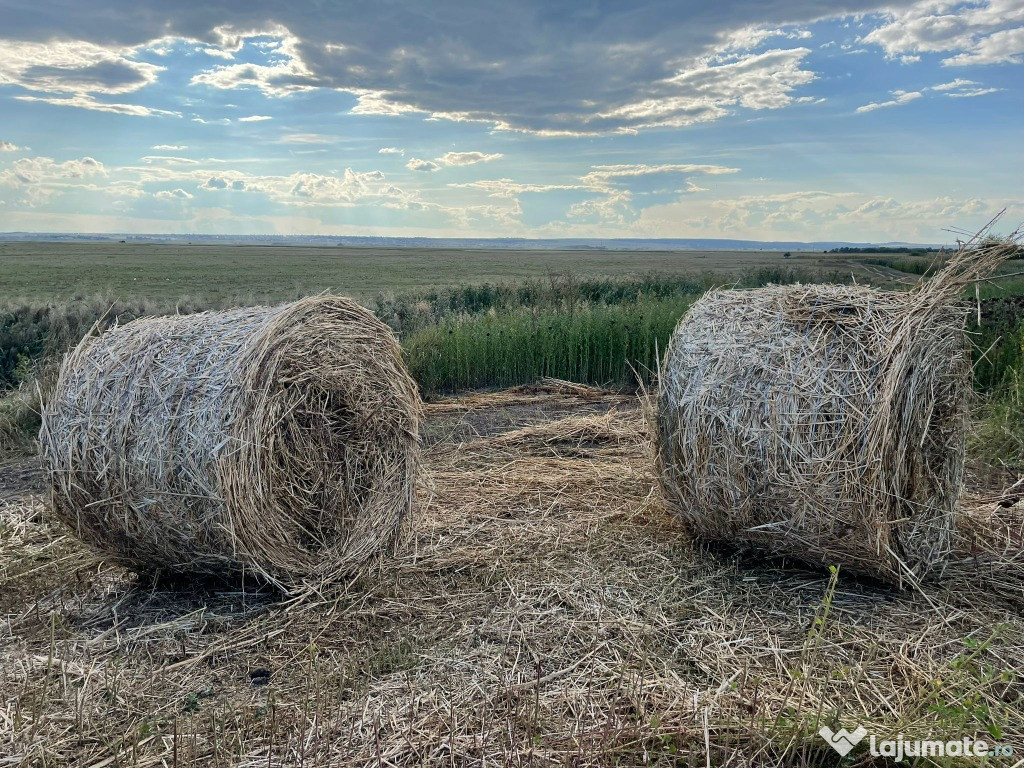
point(465, 318)
point(55, 271)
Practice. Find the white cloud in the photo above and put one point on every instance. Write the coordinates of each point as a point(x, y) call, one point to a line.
point(614, 205)
point(39, 178)
point(307, 138)
point(959, 88)
point(747, 38)
point(613, 208)
point(40, 170)
point(118, 188)
point(159, 47)
point(447, 159)
point(300, 189)
point(168, 160)
point(76, 67)
point(288, 74)
point(254, 118)
point(221, 182)
point(901, 98)
point(1003, 47)
point(378, 103)
point(602, 176)
point(173, 194)
point(507, 188)
point(505, 217)
point(7, 146)
point(170, 147)
point(466, 158)
point(962, 89)
point(953, 85)
point(347, 188)
point(795, 215)
point(218, 53)
point(977, 32)
point(707, 88)
point(83, 101)
point(415, 164)
point(975, 92)
point(216, 121)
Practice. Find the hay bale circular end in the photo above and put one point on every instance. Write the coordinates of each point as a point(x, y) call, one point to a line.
point(822, 422)
point(278, 441)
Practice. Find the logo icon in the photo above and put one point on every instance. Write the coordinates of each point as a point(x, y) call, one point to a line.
point(842, 741)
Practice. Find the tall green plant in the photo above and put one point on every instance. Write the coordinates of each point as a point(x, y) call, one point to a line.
point(597, 344)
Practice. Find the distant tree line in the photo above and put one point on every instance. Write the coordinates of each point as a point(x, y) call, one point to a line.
point(909, 250)
point(887, 249)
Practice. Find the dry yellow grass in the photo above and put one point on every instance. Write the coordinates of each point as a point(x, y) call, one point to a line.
point(546, 611)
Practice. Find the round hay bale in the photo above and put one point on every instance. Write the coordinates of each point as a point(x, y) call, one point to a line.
point(825, 422)
point(279, 441)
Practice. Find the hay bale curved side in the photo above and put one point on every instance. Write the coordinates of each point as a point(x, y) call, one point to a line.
point(281, 441)
point(823, 422)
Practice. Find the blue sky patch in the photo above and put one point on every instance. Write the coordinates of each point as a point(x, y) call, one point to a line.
point(858, 120)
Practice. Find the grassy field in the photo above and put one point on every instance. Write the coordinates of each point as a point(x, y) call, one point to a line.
point(58, 271)
point(471, 318)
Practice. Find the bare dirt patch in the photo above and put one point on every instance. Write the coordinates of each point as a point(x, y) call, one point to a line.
point(21, 478)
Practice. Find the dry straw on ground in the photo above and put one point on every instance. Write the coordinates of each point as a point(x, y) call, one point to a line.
point(278, 441)
point(824, 422)
point(547, 612)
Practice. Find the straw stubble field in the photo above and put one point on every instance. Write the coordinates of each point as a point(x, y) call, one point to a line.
point(544, 610)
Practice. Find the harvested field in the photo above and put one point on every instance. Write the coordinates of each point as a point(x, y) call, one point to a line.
point(547, 610)
point(49, 270)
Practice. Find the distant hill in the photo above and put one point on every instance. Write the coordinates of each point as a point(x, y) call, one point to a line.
point(327, 241)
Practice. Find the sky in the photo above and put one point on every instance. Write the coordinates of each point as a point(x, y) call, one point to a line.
point(755, 119)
